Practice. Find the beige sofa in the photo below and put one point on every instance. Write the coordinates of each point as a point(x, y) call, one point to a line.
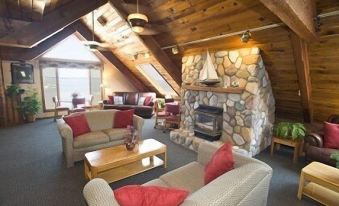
point(102, 135)
point(246, 185)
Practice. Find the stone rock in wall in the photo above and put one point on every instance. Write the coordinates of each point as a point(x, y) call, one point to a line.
point(252, 69)
point(224, 107)
point(245, 94)
point(255, 51)
point(219, 60)
point(212, 57)
point(234, 97)
point(226, 62)
point(226, 138)
point(250, 59)
point(231, 70)
point(209, 94)
point(183, 77)
point(184, 59)
point(189, 61)
point(237, 129)
point(238, 63)
point(233, 122)
point(229, 103)
point(249, 104)
point(227, 128)
point(202, 94)
point(199, 65)
point(196, 105)
point(264, 82)
point(252, 87)
point(244, 51)
point(242, 74)
point(248, 121)
point(239, 106)
point(240, 121)
point(231, 111)
point(253, 79)
point(191, 99)
point(221, 53)
point(238, 140)
point(242, 83)
point(247, 133)
point(233, 55)
point(226, 117)
point(197, 58)
point(205, 100)
point(213, 100)
point(221, 70)
point(227, 81)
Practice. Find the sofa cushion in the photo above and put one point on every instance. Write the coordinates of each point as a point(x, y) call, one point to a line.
point(90, 139)
point(110, 99)
point(148, 101)
point(122, 119)
point(100, 119)
point(156, 182)
point(189, 177)
point(137, 195)
point(222, 161)
point(78, 123)
point(116, 133)
point(331, 135)
point(131, 98)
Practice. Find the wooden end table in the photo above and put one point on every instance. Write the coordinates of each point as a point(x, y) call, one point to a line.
point(297, 145)
point(116, 163)
point(320, 182)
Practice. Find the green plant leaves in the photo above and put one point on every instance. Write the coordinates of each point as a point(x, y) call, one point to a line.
point(290, 130)
point(335, 156)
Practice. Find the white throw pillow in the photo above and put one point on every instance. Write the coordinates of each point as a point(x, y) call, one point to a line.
point(141, 101)
point(118, 100)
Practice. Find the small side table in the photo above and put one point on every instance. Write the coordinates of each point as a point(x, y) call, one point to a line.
point(297, 145)
point(320, 182)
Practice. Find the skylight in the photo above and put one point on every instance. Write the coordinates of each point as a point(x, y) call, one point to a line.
point(156, 79)
point(71, 49)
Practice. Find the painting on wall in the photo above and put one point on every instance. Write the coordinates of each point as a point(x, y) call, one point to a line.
point(22, 73)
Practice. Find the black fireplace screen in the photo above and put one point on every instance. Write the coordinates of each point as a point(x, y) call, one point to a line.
point(208, 122)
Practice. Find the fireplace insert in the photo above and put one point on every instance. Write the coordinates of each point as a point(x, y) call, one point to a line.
point(208, 122)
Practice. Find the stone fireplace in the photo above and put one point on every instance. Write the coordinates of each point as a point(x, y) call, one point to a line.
point(244, 94)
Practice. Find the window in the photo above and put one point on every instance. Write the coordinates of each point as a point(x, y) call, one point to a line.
point(156, 79)
point(63, 82)
point(68, 68)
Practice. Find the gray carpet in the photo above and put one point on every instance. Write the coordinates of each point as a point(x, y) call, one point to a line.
point(33, 170)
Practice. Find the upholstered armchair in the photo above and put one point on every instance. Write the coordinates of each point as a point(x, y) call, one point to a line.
point(314, 145)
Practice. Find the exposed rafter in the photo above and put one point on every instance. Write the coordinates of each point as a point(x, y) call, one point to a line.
point(26, 54)
point(87, 34)
point(297, 15)
point(154, 47)
point(300, 52)
point(36, 32)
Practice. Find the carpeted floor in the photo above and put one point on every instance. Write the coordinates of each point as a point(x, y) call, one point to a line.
point(33, 170)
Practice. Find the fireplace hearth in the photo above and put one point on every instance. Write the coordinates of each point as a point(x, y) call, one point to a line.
point(208, 122)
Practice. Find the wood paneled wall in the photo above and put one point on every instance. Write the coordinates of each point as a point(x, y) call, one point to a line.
point(324, 65)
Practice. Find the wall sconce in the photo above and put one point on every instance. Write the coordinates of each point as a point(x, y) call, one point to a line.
point(175, 50)
point(246, 36)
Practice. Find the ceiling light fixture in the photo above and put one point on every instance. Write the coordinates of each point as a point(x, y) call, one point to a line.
point(175, 50)
point(137, 20)
point(246, 36)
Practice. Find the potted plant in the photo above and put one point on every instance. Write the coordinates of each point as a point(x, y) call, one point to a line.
point(335, 157)
point(14, 90)
point(290, 130)
point(29, 107)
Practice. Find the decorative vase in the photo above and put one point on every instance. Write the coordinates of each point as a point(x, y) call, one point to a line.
point(131, 140)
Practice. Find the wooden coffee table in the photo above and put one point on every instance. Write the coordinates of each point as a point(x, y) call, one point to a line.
point(320, 182)
point(116, 163)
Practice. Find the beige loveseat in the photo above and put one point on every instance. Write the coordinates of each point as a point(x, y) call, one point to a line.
point(102, 135)
point(246, 185)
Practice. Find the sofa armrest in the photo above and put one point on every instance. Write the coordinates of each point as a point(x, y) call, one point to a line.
point(65, 130)
point(205, 152)
point(66, 134)
point(314, 139)
point(97, 192)
point(138, 123)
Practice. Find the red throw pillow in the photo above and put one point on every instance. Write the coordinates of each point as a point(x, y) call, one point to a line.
point(331, 135)
point(110, 99)
point(122, 119)
point(148, 101)
point(136, 195)
point(78, 123)
point(221, 162)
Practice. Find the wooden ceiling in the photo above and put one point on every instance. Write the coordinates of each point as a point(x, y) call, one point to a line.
point(28, 10)
point(125, 44)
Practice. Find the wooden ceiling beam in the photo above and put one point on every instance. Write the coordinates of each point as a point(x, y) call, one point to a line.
point(36, 32)
point(152, 45)
point(300, 51)
point(297, 15)
point(87, 34)
point(27, 54)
